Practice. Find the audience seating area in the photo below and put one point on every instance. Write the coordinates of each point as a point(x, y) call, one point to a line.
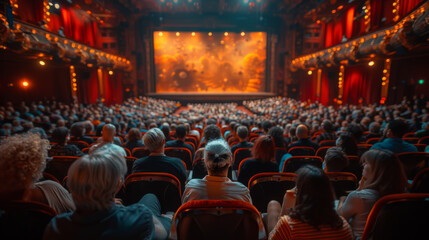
point(233, 219)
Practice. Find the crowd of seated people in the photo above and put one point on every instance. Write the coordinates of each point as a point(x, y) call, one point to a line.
point(106, 137)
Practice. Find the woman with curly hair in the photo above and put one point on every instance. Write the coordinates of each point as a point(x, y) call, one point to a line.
point(22, 161)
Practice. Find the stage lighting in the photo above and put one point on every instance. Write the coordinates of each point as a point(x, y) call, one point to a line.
point(226, 34)
point(193, 34)
point(110, 72)
point(310, 72)
point(371, 63)
point(177, 34)
point(57, 6)
point(42, 63)
point(242, 34)
point(160, 34)
point(421, 81)
point(210, 34)
point(25, 84)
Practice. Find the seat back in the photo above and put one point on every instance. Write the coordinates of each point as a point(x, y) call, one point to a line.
point(326, 143)
point(239, 155)
point(424, 140)
point(164, 185)
point(342, 182)
point(218, 219)
point(59, 166)
point(398, 216)
point(294, 163)
point(362, 148)
point(140, 152)
point(199, 169)
point(411, 140)
point(354, 166)
point(265, 187)
point(183, 154)
point(302, 151)
point(421, 182)
point(420, 147)
point(413, 162)
point(321, 152)
point(80, 144)
point(130, 162)
point(373, 140)
point(24, 220)
point(279, 152)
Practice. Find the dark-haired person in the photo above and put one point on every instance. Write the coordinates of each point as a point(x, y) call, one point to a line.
point(393, 138)
point(263, 161)
point(277, 134)
point(242, 134)
point(134, 139)
point(348, 144)
point(61, 148)
point(313, 215)
point(335, 160)
point(77, 132)
point(180, 140)
point(328, 132)
point(382, 175)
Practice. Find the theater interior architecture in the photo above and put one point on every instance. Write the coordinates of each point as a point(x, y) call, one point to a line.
point(264, 64)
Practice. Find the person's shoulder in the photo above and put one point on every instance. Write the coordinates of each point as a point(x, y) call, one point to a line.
point(49, 184)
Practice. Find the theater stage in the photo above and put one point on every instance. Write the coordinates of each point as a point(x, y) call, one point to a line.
point(211, 97)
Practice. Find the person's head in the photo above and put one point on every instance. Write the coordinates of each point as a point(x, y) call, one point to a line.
point(77, 129)
point(166, 130)
point(60, 135)
point(211, 132)
point(264, 148)
point(277, 134)
point(217, 157)
point(109, 132)
point(327, 126)
point(266, 125)
point(347, 143)
point(180, 132)
point(93, 180)
point(242, 133)
point(374, 127)
point(355, 130)
point(22, 160)
point(134, 134)
point(154, 140)
point(383, 172)
point(335, 160)
point(314, 198)
point(397, 128)
point(302, 132)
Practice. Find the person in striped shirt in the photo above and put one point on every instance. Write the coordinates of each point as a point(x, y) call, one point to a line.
point(314, 215)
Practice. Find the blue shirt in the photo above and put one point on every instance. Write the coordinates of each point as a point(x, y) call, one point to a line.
point(117, 222)
point(396, 145)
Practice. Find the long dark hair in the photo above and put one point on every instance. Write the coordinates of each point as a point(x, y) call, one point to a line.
point(315, 198)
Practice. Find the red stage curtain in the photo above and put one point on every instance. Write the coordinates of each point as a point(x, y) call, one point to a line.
point(328, 34)
point(88, 88)
point(30, 11)
point(407, 6)
point(308, 86)
point(349, 22)
point(325, 90)
point(77, 25)
point(364, 82)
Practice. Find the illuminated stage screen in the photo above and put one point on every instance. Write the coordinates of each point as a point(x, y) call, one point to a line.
point(210, 62)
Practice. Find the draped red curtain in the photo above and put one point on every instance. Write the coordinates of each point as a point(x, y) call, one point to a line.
point(30, 11)
point(362, 81)
point(407, 6)
point(325, 90)
point(308, 86)
point(381, 13)
point(77, 25)
point(88, 88)
point(334, 32)
point(350, 14)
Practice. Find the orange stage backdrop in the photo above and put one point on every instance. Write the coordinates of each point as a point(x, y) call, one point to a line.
point(203, 62)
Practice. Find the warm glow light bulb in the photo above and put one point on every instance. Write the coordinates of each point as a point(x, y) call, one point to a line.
point(110, 72)
point(371, 63)
point(42, 63)
point(310, 72)
point(193, 34)
point(226, 34)
point(160, 34)
point(177, 33)
point(242, 34)
point(25, 84)
point(210, 34)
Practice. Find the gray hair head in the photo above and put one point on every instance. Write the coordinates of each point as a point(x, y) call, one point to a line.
point(93, 179)
point(154, 139)
point(217, 155)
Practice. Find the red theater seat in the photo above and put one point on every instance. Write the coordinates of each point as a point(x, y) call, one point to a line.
point(294, 163)
point(218, 219)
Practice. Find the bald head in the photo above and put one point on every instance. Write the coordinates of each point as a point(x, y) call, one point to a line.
point(302, 131)
point(109, 131)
